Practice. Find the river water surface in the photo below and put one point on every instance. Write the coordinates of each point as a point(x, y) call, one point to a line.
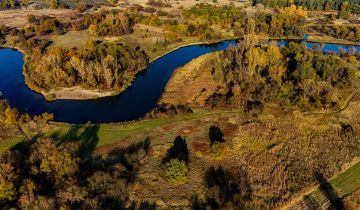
point(132, 104)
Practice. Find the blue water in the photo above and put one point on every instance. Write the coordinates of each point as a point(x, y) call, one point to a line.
point(335, 48)
point(134, 103)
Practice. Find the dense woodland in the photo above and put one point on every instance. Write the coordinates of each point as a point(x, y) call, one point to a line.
point(291, 75)
point(47, 176)
point(104, 23)
point(215, 22)
point(106, 66)
point(352, 6)
point(351, 33)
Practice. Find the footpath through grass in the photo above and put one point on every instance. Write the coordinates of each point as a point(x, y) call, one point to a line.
point(103, 134)
point(330, 192)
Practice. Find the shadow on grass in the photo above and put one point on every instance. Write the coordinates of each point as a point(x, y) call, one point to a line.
point(23, 146)
point(227, 187)
point(209, 203)
point(85, 135)
point(178, 151)
point(328, 191)
point(215, 134)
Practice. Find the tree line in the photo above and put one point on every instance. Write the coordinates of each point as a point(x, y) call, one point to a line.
point(348, 32)
point(105, 66)
point(103, 23)
point(291, 75)
point(339, 5)
point(210, 22)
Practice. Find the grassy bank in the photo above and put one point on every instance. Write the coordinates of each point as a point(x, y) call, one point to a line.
point(110, 133)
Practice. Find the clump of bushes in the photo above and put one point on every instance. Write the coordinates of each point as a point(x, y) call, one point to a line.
point(176, 171)
point(176, 161)
point(113, 24)
point(3, 31)
point(217, 143)
point(44, 25)
point(158, 3)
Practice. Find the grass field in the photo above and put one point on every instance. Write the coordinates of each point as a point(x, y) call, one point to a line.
point(342, 185)
point(18, 17)
point(72, 39)
point(105, 134)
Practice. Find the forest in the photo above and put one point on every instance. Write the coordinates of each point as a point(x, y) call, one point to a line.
point(351, 6)
point(253, 75)
point(351, 33)
point(104, 66)
point(213, 22)
point(103, 23)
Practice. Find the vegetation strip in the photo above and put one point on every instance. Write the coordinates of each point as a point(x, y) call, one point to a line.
point(111, 133)
point(343, 184)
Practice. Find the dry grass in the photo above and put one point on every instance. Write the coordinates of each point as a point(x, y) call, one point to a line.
point(274, 149)
point(72, 39)
point(147, 36)
point(18, 17)
point(178, 5)
point(191, 84)
point(277, 156)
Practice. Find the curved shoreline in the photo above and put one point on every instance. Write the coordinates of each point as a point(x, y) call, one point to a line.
point(131, 105)
point(192, 44)
point(140, 98)
point(48, 95)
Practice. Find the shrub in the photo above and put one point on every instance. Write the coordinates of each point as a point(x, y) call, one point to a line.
point(176, 171)
point(217, 150)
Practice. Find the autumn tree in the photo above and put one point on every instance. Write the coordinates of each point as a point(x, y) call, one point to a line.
point(12, 117)
point(7, 187)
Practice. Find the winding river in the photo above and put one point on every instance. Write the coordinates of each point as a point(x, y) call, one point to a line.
point(134, 103)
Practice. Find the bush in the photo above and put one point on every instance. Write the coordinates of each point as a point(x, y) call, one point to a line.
point(217, 150)
point(176, 171)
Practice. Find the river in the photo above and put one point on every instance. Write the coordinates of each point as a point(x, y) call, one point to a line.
point(132, 104)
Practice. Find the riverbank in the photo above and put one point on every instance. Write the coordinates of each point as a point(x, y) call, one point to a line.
point(79, 93)
point(330, 40)
point(76, 93)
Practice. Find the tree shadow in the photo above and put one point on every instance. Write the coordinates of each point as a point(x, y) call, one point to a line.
point(144, 205)
point(147, 206)
point(109, 177)
point(208, 203)
point(328, 191)
point(178, 151)
point(85, 135)
point(228, 187)
point(215, 134)
point(24, 146)
point(128, 157)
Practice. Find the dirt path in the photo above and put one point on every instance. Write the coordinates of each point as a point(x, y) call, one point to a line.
point(346, 105)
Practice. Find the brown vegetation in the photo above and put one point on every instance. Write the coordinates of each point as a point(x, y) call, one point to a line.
point(249, 76)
